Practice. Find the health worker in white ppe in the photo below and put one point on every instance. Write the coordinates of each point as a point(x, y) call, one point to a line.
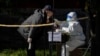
point(75, 31)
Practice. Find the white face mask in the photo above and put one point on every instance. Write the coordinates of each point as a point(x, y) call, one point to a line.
point(69, 18)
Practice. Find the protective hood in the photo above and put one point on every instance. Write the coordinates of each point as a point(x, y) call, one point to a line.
point(71, 16)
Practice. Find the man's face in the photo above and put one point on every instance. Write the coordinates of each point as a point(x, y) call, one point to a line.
point(49, 13)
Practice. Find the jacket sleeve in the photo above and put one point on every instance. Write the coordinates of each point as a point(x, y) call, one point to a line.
point(25, 30)
point(37, 19)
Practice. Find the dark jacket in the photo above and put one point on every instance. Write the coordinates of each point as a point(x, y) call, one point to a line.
point(37, 18)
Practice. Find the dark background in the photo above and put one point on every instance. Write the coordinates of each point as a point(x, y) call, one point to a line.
point(41, 3)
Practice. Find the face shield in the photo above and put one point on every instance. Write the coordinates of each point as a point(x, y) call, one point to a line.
point(71, 16)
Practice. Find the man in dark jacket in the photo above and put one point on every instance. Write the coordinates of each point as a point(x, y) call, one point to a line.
point(32, 34)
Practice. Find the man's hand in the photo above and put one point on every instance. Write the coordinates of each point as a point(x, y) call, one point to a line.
point(29, 40)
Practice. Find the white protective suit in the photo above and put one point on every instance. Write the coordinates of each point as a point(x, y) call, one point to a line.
point(77, 37)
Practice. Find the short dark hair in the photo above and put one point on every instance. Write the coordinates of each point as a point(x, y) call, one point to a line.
point(48, 7)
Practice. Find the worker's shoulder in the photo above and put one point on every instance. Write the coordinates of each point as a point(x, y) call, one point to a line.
point(37, 13)
point(77, 25)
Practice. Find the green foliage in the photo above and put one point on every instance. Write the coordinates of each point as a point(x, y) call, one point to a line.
point(22, 52)
point(9, 52)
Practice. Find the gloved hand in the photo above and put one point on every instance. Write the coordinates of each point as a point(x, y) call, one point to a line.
point(57, 30)
point(65, 29)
